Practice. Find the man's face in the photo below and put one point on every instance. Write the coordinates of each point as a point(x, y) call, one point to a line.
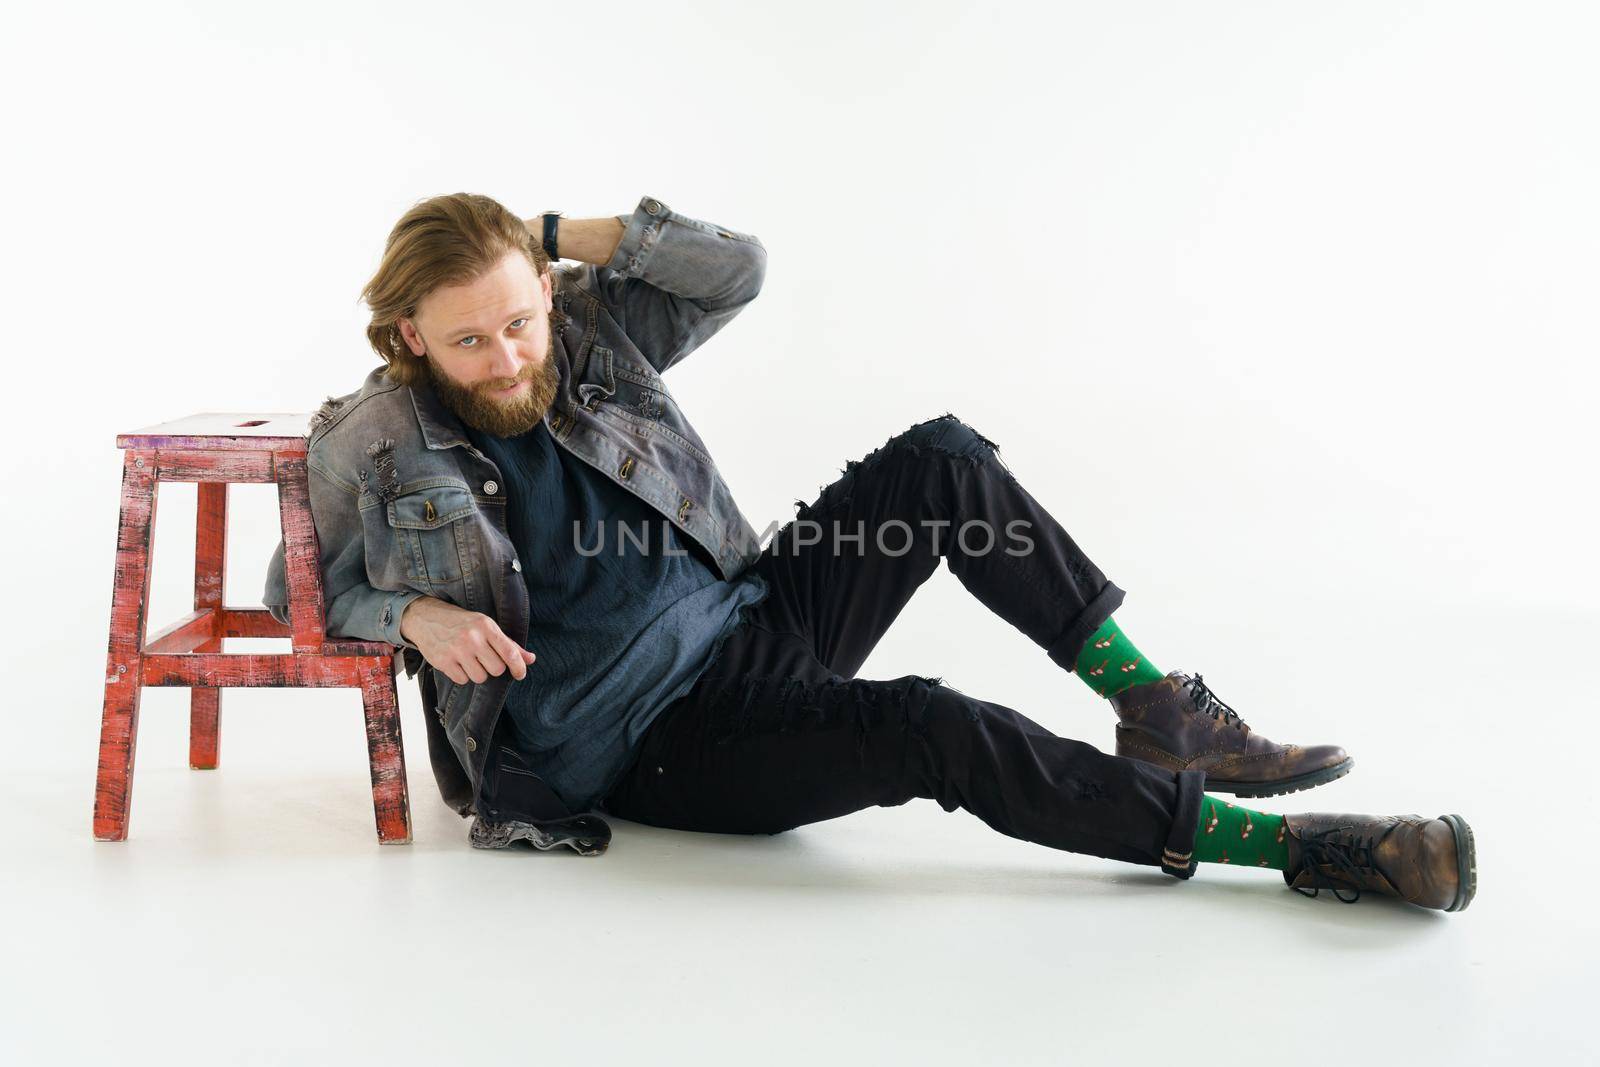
point(490, 347)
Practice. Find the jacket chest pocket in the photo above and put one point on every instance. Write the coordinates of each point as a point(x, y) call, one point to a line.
point(434, 534)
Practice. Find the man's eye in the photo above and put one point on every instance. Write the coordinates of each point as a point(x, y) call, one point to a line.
point(464, 340)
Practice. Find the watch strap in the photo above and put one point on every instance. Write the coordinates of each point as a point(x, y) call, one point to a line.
point(549, 237)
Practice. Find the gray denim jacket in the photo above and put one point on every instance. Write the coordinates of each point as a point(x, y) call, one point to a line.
point(405, 506)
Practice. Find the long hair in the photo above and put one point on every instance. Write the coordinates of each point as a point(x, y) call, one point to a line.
point(444, 240)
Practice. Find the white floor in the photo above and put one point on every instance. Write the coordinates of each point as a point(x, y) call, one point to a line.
point(252, 917)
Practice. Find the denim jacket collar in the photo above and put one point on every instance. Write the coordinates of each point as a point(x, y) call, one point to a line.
point(440, 427)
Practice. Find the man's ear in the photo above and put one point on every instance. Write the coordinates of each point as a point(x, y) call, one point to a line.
point(413, 339)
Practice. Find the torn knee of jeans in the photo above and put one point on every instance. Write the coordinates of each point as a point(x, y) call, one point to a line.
point(922, 710)
point(945, 436)
point(948, 436)
point(912, 695)
point(838, 700)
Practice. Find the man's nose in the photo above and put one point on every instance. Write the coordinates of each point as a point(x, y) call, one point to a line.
point(506, 362)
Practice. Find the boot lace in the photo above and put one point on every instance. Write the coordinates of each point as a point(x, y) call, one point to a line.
point(1206, 703)
point(1350, 856)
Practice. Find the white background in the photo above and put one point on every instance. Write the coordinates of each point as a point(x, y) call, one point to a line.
point(1287, 311)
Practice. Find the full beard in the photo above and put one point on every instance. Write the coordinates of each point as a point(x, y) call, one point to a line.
point(477, 406)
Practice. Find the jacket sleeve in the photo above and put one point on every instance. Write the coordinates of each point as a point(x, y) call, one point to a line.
point(355, 608)
point(674, 281)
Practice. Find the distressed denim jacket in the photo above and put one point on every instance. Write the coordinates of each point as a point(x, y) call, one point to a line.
point(405, 506)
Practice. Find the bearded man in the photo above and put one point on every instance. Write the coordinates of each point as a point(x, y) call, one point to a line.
point(689, 677)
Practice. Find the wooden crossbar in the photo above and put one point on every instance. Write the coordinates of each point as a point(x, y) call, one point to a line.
point(218, 670)
point(185, 635)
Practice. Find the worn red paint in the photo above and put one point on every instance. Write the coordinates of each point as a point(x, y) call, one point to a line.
point(185, 635)
point(119, 724)
point(215, 468)
point(250, 622)
point(210, 566)
point(302, 565)
point(215, 451)
point(292, 670)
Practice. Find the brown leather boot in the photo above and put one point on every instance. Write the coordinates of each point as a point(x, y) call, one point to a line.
point(1178, 723)
point(1430, 862)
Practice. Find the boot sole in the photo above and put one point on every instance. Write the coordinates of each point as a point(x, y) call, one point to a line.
point(1466, 863)
point(1309, 780)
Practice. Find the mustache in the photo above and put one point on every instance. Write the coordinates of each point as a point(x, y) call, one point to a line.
point(525, 375)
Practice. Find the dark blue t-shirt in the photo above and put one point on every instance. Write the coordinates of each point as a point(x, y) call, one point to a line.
point(619, 630)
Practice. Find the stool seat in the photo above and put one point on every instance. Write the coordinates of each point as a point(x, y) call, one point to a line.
point(214, 450)
point(224, 431)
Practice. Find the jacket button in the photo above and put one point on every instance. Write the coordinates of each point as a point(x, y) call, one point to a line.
point(516, 565)
point(491, 487)
point(472, 745)
point(653, 206)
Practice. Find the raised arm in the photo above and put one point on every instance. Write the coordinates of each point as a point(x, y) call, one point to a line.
point(669, 280)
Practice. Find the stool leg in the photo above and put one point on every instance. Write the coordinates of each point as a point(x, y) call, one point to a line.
point(301, 555)
point(385, 752)
point(210, 564)
point(119, 723)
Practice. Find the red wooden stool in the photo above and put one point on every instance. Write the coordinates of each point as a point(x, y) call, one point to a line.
point(214, 450)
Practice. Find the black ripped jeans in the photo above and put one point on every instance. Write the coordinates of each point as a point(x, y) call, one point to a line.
point(778, 731)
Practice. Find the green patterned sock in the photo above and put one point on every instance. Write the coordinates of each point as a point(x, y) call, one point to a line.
point(1229, 833)
point(1109, 663)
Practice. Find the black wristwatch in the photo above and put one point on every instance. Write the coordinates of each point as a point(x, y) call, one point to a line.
point(549, 242)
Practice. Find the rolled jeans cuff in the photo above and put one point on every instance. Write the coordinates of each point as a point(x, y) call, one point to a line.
point(1177, 858)
point(1064, 652)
